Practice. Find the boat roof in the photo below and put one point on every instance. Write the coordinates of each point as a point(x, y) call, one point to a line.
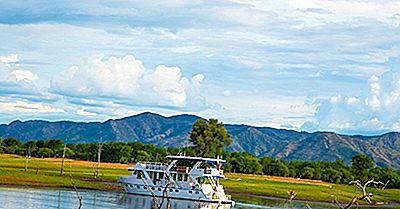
point(203, 159)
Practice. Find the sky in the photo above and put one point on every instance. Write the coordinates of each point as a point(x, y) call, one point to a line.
point(326, 65)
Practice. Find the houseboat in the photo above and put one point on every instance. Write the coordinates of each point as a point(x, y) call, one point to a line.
point(182, 177)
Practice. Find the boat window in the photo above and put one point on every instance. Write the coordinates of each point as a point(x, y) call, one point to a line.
point(185, 177)
point(190, 192)
point(197, 192)
point(179, 177)
point(201, 180)
point(159, 189)
point(176, 190)
point(139, 174)
point(174, 176)
point(171, 190)
point(138, 187)
point(161, 175)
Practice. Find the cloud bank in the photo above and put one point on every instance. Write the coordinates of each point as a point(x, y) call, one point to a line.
point(375, 109)
point(13, 80)
point(126, 81)
point(263, 60)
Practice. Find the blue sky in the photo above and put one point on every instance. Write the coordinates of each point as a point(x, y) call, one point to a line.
point(306, 65)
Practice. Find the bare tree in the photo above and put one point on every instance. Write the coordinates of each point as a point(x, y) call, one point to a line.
point(74, 186)
point(62, 161)
point(27, 156)
point(156, 203)
point(291, 195)
point(365, 196)
point(99, 149)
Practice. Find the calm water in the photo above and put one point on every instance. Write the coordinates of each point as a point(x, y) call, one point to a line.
point(28, 198)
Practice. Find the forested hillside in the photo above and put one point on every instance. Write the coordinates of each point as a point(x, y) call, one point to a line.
point(150, 128)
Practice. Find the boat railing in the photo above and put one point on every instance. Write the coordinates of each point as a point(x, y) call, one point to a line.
point(153, 165)
point(214, 171)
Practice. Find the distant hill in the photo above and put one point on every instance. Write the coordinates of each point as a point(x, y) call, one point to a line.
point(163, 131)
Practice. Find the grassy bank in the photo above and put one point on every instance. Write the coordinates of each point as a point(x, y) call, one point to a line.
point(310, 190)
point(45, 173)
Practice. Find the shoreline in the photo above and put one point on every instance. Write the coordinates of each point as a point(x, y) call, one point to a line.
point(230, 192)
point(386, 205)
point(258, 187)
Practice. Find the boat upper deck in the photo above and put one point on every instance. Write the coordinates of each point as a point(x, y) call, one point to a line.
point(201, 159)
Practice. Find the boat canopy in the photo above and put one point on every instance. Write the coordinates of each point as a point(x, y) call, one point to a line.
point(202, 159)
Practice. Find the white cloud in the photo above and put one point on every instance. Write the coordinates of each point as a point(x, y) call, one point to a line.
point(83, 112)
point(129, 82)
point(374, 110)
point(25, 107)
point(13, 80)
point(262, 110)
point(300, 48)
point(9, 59)
point(23, 75)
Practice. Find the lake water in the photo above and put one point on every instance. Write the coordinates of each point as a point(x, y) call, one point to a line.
point(33, 198)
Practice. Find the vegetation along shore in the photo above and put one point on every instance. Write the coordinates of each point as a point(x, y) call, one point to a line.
point(51, 163)
point(45, 172)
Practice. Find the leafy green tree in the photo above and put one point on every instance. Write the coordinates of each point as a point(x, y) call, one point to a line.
point(69, 153)
point(13, 146)
point(276, 168)
point(307, 173)
point(209, 137)
point(142, 156)
point(331, 175)
point(55, 145)
point(125, 154)
point(392, 177)
point(45, 152)
point(361, 162)
point(12, 142)
point(360, 165)
point(2, 146)
point(30, 147)
point(244, 163)
point(317, 173)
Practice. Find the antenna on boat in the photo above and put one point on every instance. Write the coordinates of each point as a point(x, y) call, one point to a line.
point(218, 163)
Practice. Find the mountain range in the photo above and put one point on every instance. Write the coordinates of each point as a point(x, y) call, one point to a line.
point(162, 131)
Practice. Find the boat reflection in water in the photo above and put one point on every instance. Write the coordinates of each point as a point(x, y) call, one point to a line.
point(147, 202)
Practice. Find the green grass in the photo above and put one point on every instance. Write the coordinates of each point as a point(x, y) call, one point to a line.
point(311, 192)
point(46, 173)
point(12, 173)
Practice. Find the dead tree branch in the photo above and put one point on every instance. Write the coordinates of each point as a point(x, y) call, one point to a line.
point(99, 149)
point(27, 156)
point(74, 186)
point(156, 203)
point(291, 195)
point(63, 158)
point(365, 196)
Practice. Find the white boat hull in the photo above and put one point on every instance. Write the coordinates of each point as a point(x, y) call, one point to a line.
point(144, 201)
point(175, 193)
